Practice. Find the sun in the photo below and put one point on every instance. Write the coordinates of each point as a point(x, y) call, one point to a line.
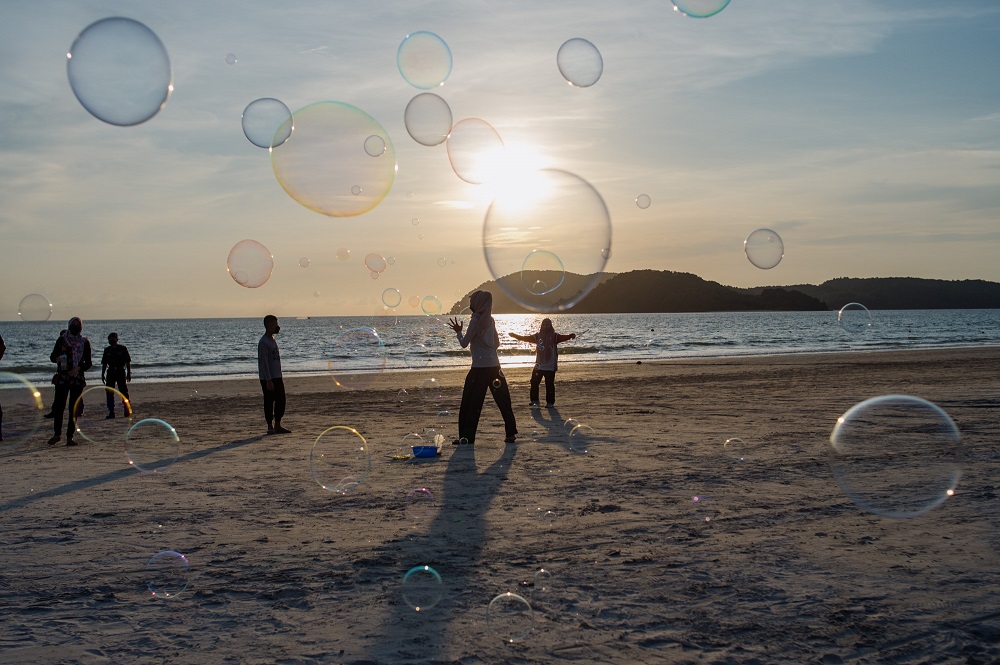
point(511, 174)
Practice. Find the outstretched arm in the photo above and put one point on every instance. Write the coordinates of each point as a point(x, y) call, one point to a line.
point(564, 338)
point(530, 339)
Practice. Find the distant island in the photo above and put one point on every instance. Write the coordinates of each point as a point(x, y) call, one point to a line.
point(642, 291)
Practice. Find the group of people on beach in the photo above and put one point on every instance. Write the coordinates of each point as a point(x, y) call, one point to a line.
point(480, 337)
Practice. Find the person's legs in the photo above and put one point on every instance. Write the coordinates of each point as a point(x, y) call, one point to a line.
point(550, 387)
point(501, 395)
point(268, 405)
point(58, 407)
point(123, 389)
point(109, 382)
point(477, 383)
point(74, 395)
point(536, 379)
point(279, 405)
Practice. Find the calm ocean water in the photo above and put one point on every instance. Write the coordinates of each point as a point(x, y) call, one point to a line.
point(174, 349)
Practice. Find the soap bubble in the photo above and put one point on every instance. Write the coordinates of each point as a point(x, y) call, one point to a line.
point(430, 391)
point(304, 262)
point(424, 60)
point(896, 456)
point(428, 119)
point(414, 301)
point(543, 580)
point(340, 460)
point(152, 445)
point(374, 146)
point(119, 71)
point(699, 8)
point(343, 253)
point(384, 319)
point(375, 262)
point(551, 211)
point(855, 318)
point(34, 308)
point(735, 449)
point(510, 618)
point(356, 190)
point(643, 201)
point(570, 423)
point(355, 357)
point(580, 62)
point(431, 305)
point(442, 262)
point(422, 588)
point(419, 502)
point(580, 438)
point(22, 410)
point(267, 122)
point(231, 59)
point(250, 263)
point(418, 356)
point(764, 248)
point(321, 165)
point(703, 509)
point(414, 221)
point(391, 297)
point(475, 151)
point(167, 574)
point(542, 272)
point(91, 415)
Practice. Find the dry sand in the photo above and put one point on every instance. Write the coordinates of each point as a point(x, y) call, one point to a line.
point(283, 571)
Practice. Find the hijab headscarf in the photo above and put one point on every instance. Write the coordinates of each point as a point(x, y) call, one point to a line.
point(481, 303)
point(75, 341)
point(546, 341)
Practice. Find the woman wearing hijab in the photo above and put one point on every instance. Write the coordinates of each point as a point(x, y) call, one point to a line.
point(485, 373)
point(72, 356)
point(546, 341)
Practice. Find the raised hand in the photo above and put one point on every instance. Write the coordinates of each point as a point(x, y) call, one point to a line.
point(455, 324)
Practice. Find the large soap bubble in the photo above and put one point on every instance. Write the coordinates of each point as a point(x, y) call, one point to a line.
point(152, 445)
point(424, 60)
point(510, 618)
point(340, 460)
point(391, 298)
point(580, 62)
point(428, 119)
point(34, 308)
point(699, 8)
point(422, 588)
point(267, 122)
point(119, 71)
point(475, 151)
point(250, 263)
point(108, 418)
point(323, 164)
point(855, 318)
point(547, 211)
point(167, 574)
point(22, 410)
point(896, 455)
point(764, 248)
point(356, 357)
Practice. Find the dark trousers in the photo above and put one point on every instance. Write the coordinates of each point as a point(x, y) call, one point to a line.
point(111, 378)
point(274, 401)
point(477, 382)
point(550, 385)
point(65, 393)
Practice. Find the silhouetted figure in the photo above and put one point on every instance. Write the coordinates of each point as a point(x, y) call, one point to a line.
point(116, 370)
point(269, 370)
point(546, 342)
point(72, 356)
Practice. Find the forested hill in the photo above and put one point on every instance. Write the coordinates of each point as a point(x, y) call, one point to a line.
point(667, 291)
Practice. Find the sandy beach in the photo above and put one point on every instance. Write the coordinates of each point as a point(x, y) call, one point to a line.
point(788, 570)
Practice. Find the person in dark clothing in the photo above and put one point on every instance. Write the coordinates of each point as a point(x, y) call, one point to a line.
point(73, 357)
point(546, 341)
point(485, 373)
point(116, 369)
point(269, 371)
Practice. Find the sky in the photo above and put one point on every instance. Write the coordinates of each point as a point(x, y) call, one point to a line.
point(866, 134)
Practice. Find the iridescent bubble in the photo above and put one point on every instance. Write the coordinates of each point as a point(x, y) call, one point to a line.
point(855, 318)
point(735, 449)
point(699, 8)
point(420, 502)
point(430, 391)
point(22, 410)
point(374, 146)
point(167, 574)
point(510, 618)
point(34, 308)
point(580, 439)
point(543, 580)
point(643, 201)
point(418, 356)
point(542, 272)
point(340, 460)
point(320, 167)
point(570, 423)
point(764, 248)
point(428, 119)
point(442, 262)
point(475, 150)
point(414, 301)
point(375, 262)
point(94, 423)
point(551, 211)
point(267, 122)
point(580, 63)
point(119, 71)
point(391, 260)
point(250, 263)
point(304, 262)
point(431, 306)
point(355, 358)
point(896, 456)
point(703, 509)
point(424, 60)
point(231, 59)
point(391, 297)
point(152, 445)
point(343, 253)
point(422, 588)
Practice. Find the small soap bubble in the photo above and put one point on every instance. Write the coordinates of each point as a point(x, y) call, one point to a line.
point(152, 445)
point(420, 503)
point(703, 509)
point(391, 297)
point(764, 248)
point(34, 308)
point(543, 580)
point(356, 357)
point(343, 254)
point(422, 588)
point(340, 460)
point(418, 356)
point(431, 305)
point(250, 263)
point(699, 8)
point(375, 262)
point(109, 417)
point(414, 301)
point(580, 439)
point(22, 407)
point(510, 618)
point(267, 122)
point(231, 59)
point(424, 60)
point(414, 221)
point(119, 71)
point(896, 456)
point(497, 383)
point(428, 119)
point(549, 518)
point(442, 262)
point(735, 449)
point(304, 262)
point(475, 151)
point(430, 391)
point(643, 201)
point(542, 272)
point(579, 62)
point(375, 146)
point(167, 574)
point(402, 397)
point(570, 423)
point(356, 190)
point(855, 318)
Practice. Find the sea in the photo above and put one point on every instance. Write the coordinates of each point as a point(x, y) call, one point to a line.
point(183, 349)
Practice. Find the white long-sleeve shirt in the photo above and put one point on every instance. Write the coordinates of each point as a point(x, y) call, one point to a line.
point(268, 359)
point(482, 336)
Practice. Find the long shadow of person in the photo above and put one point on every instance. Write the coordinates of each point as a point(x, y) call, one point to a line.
point(453, 545)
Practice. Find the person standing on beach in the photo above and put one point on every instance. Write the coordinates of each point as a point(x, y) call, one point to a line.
point(116, 368)
point(485, 373)
point(546, 341)
point(72, 355)
point(269, 369)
